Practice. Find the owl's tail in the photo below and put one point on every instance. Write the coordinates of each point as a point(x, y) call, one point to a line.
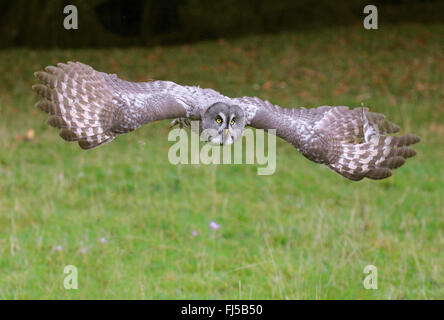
point(78, 100)
point(376, 158)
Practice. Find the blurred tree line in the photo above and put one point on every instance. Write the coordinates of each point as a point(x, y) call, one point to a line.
point(102, 23)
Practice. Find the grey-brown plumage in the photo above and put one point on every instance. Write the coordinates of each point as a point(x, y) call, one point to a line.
point(93, 107)
point(354, 143)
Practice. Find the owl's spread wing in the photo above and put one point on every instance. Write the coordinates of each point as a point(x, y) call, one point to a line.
point(92, 107)
point(354, 143)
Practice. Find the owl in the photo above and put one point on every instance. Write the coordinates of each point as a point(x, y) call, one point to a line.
point(221, 124)
point(93, 107)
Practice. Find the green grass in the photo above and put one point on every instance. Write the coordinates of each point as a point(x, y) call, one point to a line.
point(302, 233)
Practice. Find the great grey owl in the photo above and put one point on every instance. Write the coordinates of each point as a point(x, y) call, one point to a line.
point(93, 107)
point(220, 124)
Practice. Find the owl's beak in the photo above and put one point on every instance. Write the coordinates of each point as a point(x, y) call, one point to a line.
point(225, 131)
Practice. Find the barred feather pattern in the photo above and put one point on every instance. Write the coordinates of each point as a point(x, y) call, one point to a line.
point(92, 107)
point(355, 143)
point(78, 102)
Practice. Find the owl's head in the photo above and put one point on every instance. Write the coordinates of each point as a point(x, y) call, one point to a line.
point(223, 123)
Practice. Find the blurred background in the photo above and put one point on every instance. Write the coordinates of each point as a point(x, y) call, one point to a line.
point(108, 23)
point(138, 227)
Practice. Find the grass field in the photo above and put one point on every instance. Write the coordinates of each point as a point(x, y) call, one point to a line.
point(124, 216)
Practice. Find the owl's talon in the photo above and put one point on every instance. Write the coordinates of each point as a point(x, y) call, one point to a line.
point(174, 122)
point(182, 122)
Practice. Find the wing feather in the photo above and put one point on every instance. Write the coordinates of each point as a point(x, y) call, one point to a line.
point(355, 143)
point(92, 107)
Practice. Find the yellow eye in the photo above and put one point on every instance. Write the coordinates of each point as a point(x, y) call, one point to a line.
point(219, 120)
point(233, 121)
